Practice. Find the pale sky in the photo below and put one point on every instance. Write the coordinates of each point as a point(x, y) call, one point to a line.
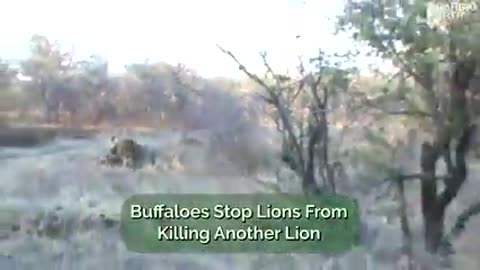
point(174, 31)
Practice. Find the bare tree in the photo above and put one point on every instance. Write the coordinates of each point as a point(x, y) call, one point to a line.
point(301, 116)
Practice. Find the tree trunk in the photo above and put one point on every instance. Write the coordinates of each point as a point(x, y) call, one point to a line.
point(434, 227)
point(458, 126)
point(331, 177)
point(407, 234)
point(432, 216)
point(434, 205)
point(309, 182)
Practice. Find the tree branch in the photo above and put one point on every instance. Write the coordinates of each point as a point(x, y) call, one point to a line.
point(454, 183)
point(243, 69)
point(462, 220)
point(415, 176)
point(407, 112)
point(278, 104)
point(416, 113)
point(418, 78)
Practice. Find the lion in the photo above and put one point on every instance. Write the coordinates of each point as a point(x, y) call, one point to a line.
point(128, 153)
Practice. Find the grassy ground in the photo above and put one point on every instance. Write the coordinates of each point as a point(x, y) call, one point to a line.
point(65, 175)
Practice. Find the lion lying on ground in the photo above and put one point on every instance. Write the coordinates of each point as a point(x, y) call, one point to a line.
point(128, 153)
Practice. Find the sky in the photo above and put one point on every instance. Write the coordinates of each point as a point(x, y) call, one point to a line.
point(177, 31)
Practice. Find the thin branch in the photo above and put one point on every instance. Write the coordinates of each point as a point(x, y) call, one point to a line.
point(370, 103)
point(266, 99)
point(415, 176)
point(391, 47)
point(462, 220)
point(243, 69)
point(407, 233)
point(268, 67)
point(277, 103)
point(416, 113)
point(455, 183)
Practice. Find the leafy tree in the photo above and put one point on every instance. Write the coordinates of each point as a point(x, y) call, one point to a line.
point(441, 62)
point(94, 72)
point(48, 67)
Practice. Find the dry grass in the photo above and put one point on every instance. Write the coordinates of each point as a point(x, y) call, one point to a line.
point(66, 174)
